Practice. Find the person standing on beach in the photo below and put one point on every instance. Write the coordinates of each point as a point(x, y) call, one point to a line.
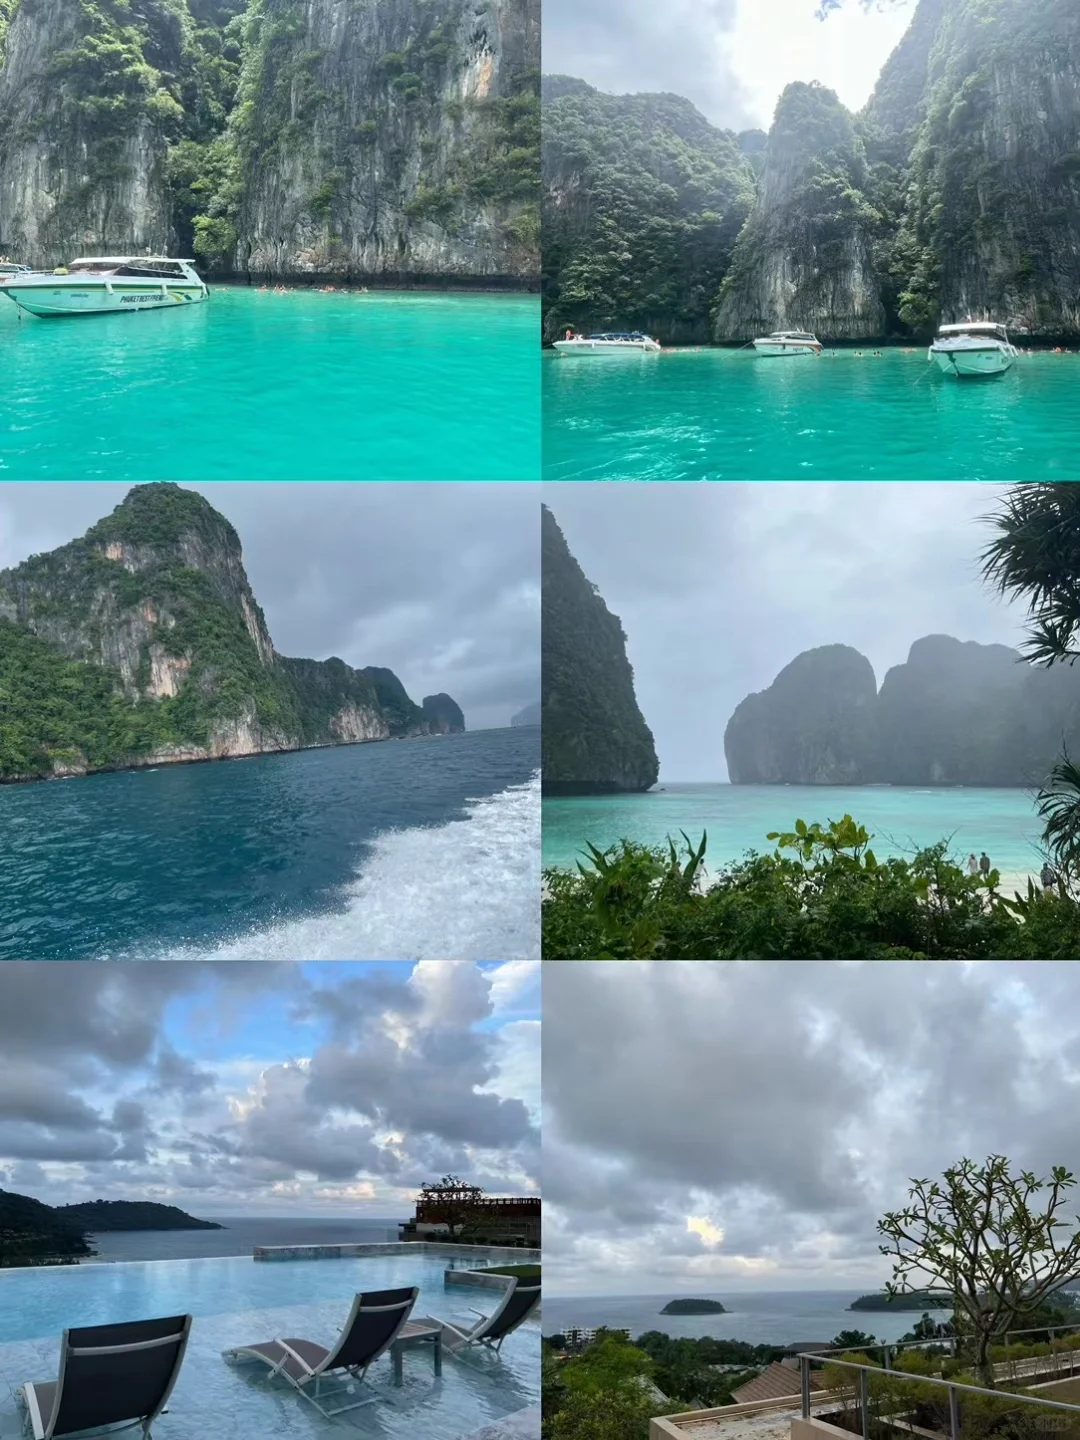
point(973, 865)
point(984, 863)
point(1048, 877)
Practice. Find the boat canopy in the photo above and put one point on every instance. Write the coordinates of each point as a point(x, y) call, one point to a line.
point(975, 327)
point(792, 335)
point(619, 335)
point(128, 260)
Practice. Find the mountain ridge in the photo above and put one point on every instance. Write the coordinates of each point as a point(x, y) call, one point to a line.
point(141, 643)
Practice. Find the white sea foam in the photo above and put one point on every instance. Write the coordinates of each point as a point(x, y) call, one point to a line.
point(466, 890)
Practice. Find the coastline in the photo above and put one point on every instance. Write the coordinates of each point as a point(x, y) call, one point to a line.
point(431, 284)
point(155, 762)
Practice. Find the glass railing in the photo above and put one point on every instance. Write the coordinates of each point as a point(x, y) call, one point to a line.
point(907, 1399)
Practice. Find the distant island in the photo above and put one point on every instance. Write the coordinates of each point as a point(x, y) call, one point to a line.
point(693, 1307)
point(913, 1300)
point(98, 1216)
point(33, 1233)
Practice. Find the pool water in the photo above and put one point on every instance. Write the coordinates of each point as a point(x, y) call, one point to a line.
point(241, 1301)
point(48, 1299)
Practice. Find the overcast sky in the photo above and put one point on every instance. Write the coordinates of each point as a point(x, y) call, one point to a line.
point(250, 1089)
point(719, 586)
point(734, 1126)
point(732, 58)
point(439, 582)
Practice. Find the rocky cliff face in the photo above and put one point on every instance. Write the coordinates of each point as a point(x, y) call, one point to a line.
point(391, 138)
point(642, 202)
point(956, 713)
point(804, 258)
point(443, 715)
point(810, 727)
point(956, 193)
point(142, 644)
point(594, 738)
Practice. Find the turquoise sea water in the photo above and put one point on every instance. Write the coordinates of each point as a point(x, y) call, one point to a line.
point(414, 849)
point(738, 817)
point(258, 386)
point(729, 415)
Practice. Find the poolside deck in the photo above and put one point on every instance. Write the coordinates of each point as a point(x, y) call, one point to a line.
point(488, 1399)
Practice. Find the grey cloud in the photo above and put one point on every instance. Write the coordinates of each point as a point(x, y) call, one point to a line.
point(790, 1103)
point(720, 586)
point(141, 1114)
point(438, 582)
point(629, 45)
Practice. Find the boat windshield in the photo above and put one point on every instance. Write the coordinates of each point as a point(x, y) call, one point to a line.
point(153, 269)
point(93, 267)
point(976, 330)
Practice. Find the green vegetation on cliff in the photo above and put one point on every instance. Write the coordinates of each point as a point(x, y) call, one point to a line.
point(272, 136)
point(643, 200)
point(594, 738)
point(32, 1233)
point(906, 1300)
point(443, 714)
point(98, 1216)
point(956, 191)
point(142, 640)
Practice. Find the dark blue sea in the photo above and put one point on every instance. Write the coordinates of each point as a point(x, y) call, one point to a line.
point(239, 1237)
point(778, 1317)
point(396, 850)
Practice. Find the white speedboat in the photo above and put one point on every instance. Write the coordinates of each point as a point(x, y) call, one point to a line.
point(107, 283)
point(977, 347)
point(8, 267)
point(788, 342)
point(613, 343)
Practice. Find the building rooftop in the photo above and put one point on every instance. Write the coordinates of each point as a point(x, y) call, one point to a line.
point(774, 1383)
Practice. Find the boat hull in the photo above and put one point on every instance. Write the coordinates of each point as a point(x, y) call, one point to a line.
point(972, 362)
point(770, 349)
point(49, 299)
point(578, 348)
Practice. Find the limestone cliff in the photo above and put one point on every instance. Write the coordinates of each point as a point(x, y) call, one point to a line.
point(955, 193)
point(955, 713)
point(443, 715)
point(642, 202)
point(594, 738)
point(804, 258)
point(810, 727)
point(142, 644)
point(387, 139)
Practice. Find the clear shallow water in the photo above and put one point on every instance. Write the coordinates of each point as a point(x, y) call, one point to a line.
point(420, 849)
point(777, 1318)
point(737, 818)
point(240, 1237)
point(727, 415)
point(300, 386)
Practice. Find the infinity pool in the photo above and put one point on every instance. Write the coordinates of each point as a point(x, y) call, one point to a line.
point(239, 1301)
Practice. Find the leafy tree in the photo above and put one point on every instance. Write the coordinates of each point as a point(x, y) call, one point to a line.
point(985, 1236)
point(853, 1340)
point(453, 1203)
point(602, 1415)
point(1035, 557)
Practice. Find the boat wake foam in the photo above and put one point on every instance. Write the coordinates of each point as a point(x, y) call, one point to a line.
point(465, 890)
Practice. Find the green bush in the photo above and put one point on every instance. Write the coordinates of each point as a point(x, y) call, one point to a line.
point(821, 894)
